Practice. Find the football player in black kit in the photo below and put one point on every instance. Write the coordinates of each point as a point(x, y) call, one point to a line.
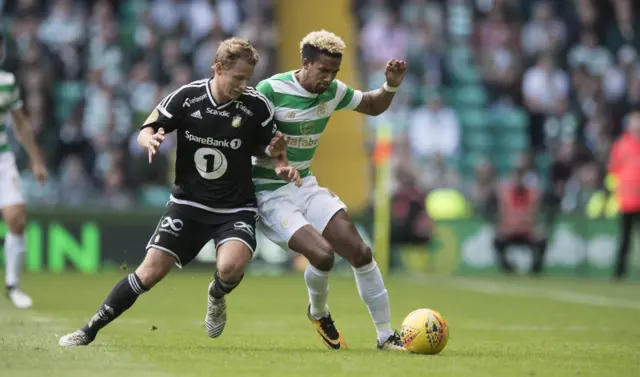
point(220, 122)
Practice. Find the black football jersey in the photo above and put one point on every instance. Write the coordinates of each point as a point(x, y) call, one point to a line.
point(215, 145)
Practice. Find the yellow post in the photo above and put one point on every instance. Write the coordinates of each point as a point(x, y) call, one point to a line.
point(382, 222)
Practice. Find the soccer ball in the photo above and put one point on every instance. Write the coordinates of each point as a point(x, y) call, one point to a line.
point(424, 331)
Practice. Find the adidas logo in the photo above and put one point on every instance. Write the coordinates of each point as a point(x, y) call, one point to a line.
point(196, 114)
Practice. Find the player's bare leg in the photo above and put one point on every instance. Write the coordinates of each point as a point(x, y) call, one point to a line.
point(232, 258)
point(346, 240)
point(308, 242)
point(155, 266)
point(14, 246)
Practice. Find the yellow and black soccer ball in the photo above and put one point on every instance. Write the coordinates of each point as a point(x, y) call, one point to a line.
point(424, 331)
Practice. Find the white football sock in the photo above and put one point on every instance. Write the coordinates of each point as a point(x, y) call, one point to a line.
point(318, 286)
point(13, 256)
point(375, 296)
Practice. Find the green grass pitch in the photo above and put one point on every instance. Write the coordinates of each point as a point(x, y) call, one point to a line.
point(499, 327)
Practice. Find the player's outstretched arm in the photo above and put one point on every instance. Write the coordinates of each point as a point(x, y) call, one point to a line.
point(378, 101)
point(25, 136)
point(150, 140)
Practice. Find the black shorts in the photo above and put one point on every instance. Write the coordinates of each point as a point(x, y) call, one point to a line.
point(184, 230)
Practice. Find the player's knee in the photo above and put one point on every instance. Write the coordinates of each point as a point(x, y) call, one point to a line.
point(155, 266)
point(230, 269)
point(16, 220)
point(323, 257)
point(362, 257)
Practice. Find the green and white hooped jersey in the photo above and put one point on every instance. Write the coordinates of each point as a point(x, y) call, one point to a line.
point(9, 100)
point(301, 116)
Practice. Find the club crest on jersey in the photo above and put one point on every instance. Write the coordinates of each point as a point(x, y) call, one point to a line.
point(235, 122)
point(306, 127)
point(323, 110)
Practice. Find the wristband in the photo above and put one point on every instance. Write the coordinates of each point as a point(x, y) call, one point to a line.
point(390, 89)
point(267, 151)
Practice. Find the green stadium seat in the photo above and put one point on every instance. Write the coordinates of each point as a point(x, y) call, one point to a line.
point(514, 141)
point(67, 94)
point(467, 96)
point(459, 54)
point(511, 119)
point(130, 9)
point(464, 74)
point(480, 142)
point(473, 119)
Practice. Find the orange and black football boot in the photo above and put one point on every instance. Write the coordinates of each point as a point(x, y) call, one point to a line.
point(329, 334)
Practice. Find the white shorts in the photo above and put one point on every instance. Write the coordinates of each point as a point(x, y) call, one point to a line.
point(289, 208)
point(10, 187)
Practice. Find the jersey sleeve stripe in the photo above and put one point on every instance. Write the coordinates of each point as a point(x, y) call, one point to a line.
point(164, 111)
point(355, 100)
point(254, 93)
point(162, 107)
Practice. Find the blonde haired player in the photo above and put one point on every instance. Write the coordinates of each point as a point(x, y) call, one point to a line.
point(11, 200)
point(310, 219)
point(220, 123)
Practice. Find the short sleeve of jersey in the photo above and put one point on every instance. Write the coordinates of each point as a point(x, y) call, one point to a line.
point(9, 85)
point(351, 98)
point(266, 112)
point(168, 113)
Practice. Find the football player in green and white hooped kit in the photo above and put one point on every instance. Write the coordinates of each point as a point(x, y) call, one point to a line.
point(310, 219)
point(11, 199)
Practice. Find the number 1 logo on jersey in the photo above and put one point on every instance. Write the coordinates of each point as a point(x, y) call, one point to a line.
point(211, 163)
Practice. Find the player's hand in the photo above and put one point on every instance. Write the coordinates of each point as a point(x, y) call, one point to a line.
point(40, 171)
point(154, 143)
point(394, 72)
point(278, 144)
point(289, 174)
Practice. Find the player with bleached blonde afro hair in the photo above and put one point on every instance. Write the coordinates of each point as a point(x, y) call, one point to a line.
point(313, 221)
point(322, 41)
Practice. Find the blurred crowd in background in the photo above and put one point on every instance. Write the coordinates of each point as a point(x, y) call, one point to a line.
point(499, 89)
point(91, 71)
point(494, 87)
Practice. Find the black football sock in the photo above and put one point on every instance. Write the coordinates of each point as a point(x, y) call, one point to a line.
point(221, 287)
point(121, 298)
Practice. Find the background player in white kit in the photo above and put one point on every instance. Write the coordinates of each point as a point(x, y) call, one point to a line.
point(311, 220)
point(11, 200)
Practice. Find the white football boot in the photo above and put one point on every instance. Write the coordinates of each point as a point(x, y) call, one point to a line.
point(77, 338)
point(20, 299)
point(216, 317)
point(394, 343)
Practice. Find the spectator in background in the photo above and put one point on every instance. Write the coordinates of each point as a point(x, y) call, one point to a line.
point(543, 85)
point(385, 30)
point(434, 130)
point(544, 33)
point(623, 165)
point(590, 54)
point(501, 60)
point(410, 223)
point(562, 170)
point(561, 126)
point(518, 210)
point(483, 190)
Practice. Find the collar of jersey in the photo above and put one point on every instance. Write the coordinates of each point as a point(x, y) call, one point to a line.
point(210, 95)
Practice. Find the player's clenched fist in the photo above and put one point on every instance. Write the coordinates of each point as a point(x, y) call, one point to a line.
point(394, 72)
